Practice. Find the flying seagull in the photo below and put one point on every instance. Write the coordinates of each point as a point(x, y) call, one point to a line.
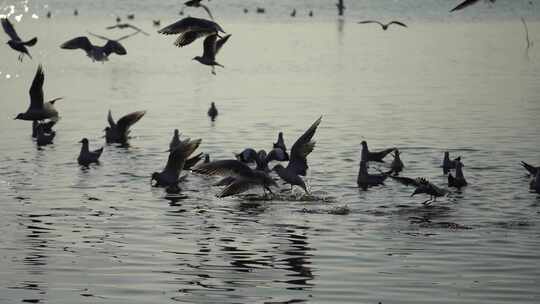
point(212, 45)
point(97, 53)
point(190, 29)
point(117, 132)
point(298, 164)
point(459, 180)
point(397, 165)
point(239, 177)
point(170, 175)
point(366, 180)
point(15, 42)
point(368, 156)
point(86, 156)
point(126, 25)
point(384, 26)
point(422, 185)
point(197, 3)
point(39, 110)
point(212, 112)
point(466, 3)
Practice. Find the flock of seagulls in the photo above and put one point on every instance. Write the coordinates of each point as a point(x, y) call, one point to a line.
point(249, 168)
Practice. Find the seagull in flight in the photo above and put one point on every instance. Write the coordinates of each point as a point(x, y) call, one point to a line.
point(384, 26)
point(38, 109)
point(15, 41)
point(467, 3)
point(190, 29)
point(212, 45)
point(126, 25)
point(97, 53)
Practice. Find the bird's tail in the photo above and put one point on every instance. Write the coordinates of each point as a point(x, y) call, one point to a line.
point(56, 99)
point(31, 42)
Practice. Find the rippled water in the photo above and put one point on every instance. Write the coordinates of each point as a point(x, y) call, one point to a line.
point(103, 235)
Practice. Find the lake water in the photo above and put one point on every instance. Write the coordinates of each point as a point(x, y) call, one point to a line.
point(461, 83)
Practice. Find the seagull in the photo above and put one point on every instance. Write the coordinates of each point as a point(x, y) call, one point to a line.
point(366, 180)
point(535, 182)
point(384, 26)
point(280, 144)
point(422, 185)
point(156, 22)
point(49, 14)
point(126, 25)
point(15, 42)
point(262, 161)
point(39, 110)
point(175, 163)
point(191, 162)
point(43, 138)
point(397, 165)
point(260, 10)
point(130, 16)
point(213, 112)
point(175, 141)
point(458, 181)
point(466, 3)
point(190, 28)
point(293, 13)
point(117, 132)
point(239, 177)
point(97, 53)
point(530, 168)
point(75, 12)
point(47, 126)
point(197, 3)
point(247, 156)
point(298, 164)
point(311, 13)
point(246, 11)
point(277, 154)
point(212, 45)
point(449, 164)
point(86, 157)
point(368, 156)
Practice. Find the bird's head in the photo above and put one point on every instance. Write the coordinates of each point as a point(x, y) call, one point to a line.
point(84, 141)
point(363, 143)
point(155, 176)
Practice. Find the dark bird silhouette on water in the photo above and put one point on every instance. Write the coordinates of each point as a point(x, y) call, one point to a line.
point(15, 42)
point(125, 26)
point(459, 180)
point(293, 13)
point(467, 3)
point(39, 110)
point(260, 10)
point(530, 168)
point(75, 12)
point(238, 176)
point(297, 165)
point(246, 11)
point(170, 175)
point(118, 132)
point(397, 165)
point(86, 157)
point(43, 138)
point(534, 185)
point(310, 13)
point(212, 112)
point(449, 164)
point(212, 45)
point(190, 29)
point(130, 16)
point(383, 26)
point(156, 22)
point(49, 14)
point(368, 156)
point(97, 53)
point(422, 185)
point(47, 126)
point(175, 141)
point(247, 156)
point(197, 4)
point(366, 180)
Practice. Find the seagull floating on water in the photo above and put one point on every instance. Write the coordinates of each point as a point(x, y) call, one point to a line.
point(458, 181)
point(86, 157)
point(383, 26)
point(126, 25)
point(117, 132)
point(298, 166)
point(190, 29)
point(366, 180)
point(368, 156)
point(238, 176)
point(15, 42)
point(97, 53)
point(175, 163)
point(397, 165)
point(130, 16)
point(39, 110)
point(466, 3)
point(293, 13)
point(212, 45)
point(212, 112)
point(248, 155)
point(197, 3)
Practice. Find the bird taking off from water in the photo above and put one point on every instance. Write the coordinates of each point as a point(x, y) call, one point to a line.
point(197, 3)
point(38, 109)
point(97, 53)
point(190, 29)
point(368, 156)
point(212, 45)
point(15, 42)
point(467, 3)
point(383, 26)
point(118, 132)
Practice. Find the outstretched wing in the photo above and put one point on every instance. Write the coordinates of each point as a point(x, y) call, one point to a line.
point(210, 47)
point(301, 149)
point(228, 167)
point(463, 5)
point(128, 120)
point(127, 36)
point(10, 30)
point(78, 43)
point(407, 181)
point(114, 47)
point(370, 21)
point(398, 23)
point(238, 185)
point(36, 89)
point(111, 120)
point(220, 42)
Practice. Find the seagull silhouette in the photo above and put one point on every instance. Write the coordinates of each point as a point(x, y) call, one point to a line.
point(212, 45)
point(39, 110)
point(212, 112)
point(190, 29)
point(176, 161)
point(15, 42)
point(118, 132)
point(366, 180)
point(459, 180)
point(86, 157)
point(126, 25)
point(466, 3)
point(97, 53)
point(383, 26)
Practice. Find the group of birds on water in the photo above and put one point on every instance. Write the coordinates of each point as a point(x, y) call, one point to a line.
point(250, 168)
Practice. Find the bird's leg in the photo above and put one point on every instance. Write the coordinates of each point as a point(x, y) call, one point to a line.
point(20, 57)
point(213, 70)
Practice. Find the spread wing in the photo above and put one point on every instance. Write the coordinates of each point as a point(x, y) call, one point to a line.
point(36, 89)
point(127, 121)
point(463, 5)
point(210, 47)
point(237, 186)
point(221, 42)
point(370, 21)
point(407, 181)
point(10, 30)
point(78, 43)
point(188, 37)
point(111, 120)
point(114, 47)
point(301, 149)
point(189, 24)
point(228, 167)
point(398, 23)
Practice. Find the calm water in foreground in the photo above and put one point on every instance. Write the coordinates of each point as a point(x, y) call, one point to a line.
point(103, 235)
